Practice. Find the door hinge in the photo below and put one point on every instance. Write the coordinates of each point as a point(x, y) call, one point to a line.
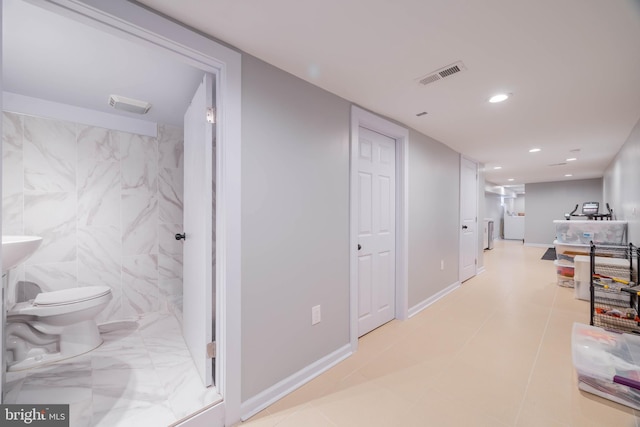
point(211, 115)
point(211, 350)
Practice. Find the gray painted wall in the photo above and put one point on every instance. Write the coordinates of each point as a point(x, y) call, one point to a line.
point(295, 223)
point(548, 201)
point(622, 184)
point(434, 177)
point(518, 204)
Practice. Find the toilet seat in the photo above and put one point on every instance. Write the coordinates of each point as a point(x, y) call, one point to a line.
point(70, 296)
point(55, 326)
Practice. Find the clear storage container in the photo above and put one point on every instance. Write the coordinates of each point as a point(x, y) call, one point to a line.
point(598, 232)
point(566, 252)
point(607, 363)
point(565, 274)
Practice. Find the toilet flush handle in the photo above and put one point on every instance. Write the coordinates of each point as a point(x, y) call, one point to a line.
point(181, 236)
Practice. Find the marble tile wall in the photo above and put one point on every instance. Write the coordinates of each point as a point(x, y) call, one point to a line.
point(107, 204)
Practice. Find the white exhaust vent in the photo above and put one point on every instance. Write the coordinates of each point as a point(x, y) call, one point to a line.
point(442, 73)
point(130, 105)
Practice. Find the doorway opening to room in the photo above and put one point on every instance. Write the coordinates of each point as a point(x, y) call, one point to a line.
point(112, 184)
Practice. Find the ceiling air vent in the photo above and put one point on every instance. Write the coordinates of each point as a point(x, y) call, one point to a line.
point(130, 105)
point(440, 74)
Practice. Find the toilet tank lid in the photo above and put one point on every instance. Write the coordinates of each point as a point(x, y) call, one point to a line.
point(66, 296)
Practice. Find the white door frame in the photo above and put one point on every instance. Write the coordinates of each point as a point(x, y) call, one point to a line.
point(477, 243)
point(125, 19)
point(360, 117)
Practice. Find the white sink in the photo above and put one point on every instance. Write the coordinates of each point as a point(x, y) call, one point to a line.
point(16, 249)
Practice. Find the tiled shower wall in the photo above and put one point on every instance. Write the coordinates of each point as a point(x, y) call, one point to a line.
point(107, 204)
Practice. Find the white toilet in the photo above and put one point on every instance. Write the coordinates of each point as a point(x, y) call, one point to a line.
point(54, 326)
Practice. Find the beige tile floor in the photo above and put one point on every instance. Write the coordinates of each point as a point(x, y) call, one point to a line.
point(496, 352)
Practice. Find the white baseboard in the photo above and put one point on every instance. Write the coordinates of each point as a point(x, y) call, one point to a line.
point(426, 303)
point(480, 270)
point(286, 386)
point(539, 245)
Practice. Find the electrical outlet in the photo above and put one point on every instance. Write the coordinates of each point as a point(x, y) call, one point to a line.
point(316, 316)
point(441, 264)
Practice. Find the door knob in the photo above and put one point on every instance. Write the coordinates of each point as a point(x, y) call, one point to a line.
point(359, 247)
point(181, 236)
point(464, 227)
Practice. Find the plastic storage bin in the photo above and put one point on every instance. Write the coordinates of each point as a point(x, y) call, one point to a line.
point(565, 274)
point(564, 270)
point(598, 232)
point(566, 252)
point(607, 364)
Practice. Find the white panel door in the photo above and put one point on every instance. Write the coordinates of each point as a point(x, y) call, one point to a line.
point(199, 229)
point(376, 230)
point(468, 218)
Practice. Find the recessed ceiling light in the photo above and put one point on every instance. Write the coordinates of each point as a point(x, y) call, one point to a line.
point(571, 159)
point(511, 179)
point(568, 175)
point(497, 167)
point(499, 98)
point(535, 150)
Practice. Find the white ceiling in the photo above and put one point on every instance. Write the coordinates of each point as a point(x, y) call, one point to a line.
point(51, 57)
point(573, 67)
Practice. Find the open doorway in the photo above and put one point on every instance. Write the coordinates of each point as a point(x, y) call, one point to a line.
point(143, 261)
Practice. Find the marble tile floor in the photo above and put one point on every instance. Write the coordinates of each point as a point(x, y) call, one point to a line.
point(496, 352)
point(142, 375)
